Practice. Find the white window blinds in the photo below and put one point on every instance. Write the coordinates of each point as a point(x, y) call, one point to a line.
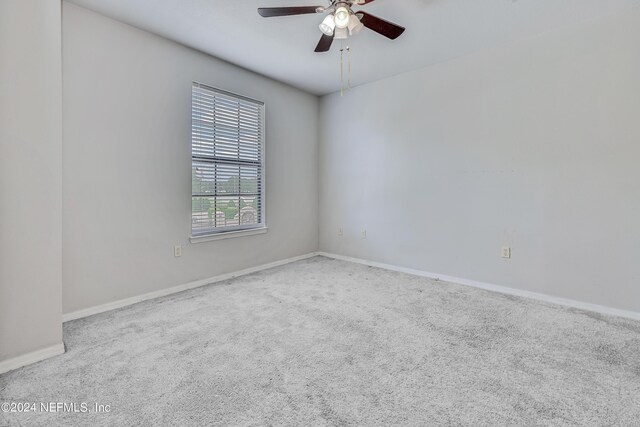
point(227, 162)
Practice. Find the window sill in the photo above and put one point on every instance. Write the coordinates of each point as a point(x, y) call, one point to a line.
point(227, 235)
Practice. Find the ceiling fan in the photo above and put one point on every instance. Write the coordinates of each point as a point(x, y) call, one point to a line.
point(341, 22)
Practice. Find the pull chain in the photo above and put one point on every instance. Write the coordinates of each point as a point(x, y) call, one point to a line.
point(349, 67)
point(341, 77)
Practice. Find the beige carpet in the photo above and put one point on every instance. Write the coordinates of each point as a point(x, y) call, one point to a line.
point(326, 342)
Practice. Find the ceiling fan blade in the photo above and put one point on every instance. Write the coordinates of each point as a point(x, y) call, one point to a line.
point(324, 44)
point(269, 12)
point(361, 2)
point(379, 25)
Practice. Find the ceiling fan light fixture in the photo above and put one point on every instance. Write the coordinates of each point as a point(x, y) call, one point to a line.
point(340, 22)
point(327, 25)
point(355, 26)
point(341, 17)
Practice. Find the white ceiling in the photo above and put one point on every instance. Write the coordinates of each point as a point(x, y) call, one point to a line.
point(282, 48)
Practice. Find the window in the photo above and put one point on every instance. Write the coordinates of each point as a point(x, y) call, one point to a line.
point(227, 162)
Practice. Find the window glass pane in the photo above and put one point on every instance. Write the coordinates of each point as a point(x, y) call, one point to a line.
point(227, 169)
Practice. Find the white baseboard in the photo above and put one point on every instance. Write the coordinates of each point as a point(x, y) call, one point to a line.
point(168, 291)
point(495, 288)
point(29, 358)
point(457, 280)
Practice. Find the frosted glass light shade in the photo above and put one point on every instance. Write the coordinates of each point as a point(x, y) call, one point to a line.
point(341, 17)
point(355, 26)
point(327, 25)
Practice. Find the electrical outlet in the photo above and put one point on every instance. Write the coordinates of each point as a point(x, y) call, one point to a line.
point(340, 233)
point(506, 252)
point(364, 234)
point(177, 251)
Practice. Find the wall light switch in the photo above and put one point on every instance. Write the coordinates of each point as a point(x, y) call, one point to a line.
point(506, 252)
point(340, 233)
point(364, 234)
point(177, 251)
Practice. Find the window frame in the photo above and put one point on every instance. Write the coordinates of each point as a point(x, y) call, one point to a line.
point(239, 230)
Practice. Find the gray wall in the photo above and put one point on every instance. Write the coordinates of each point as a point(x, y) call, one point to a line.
point(30, 176)
point(127, 170)
point(534, 145)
